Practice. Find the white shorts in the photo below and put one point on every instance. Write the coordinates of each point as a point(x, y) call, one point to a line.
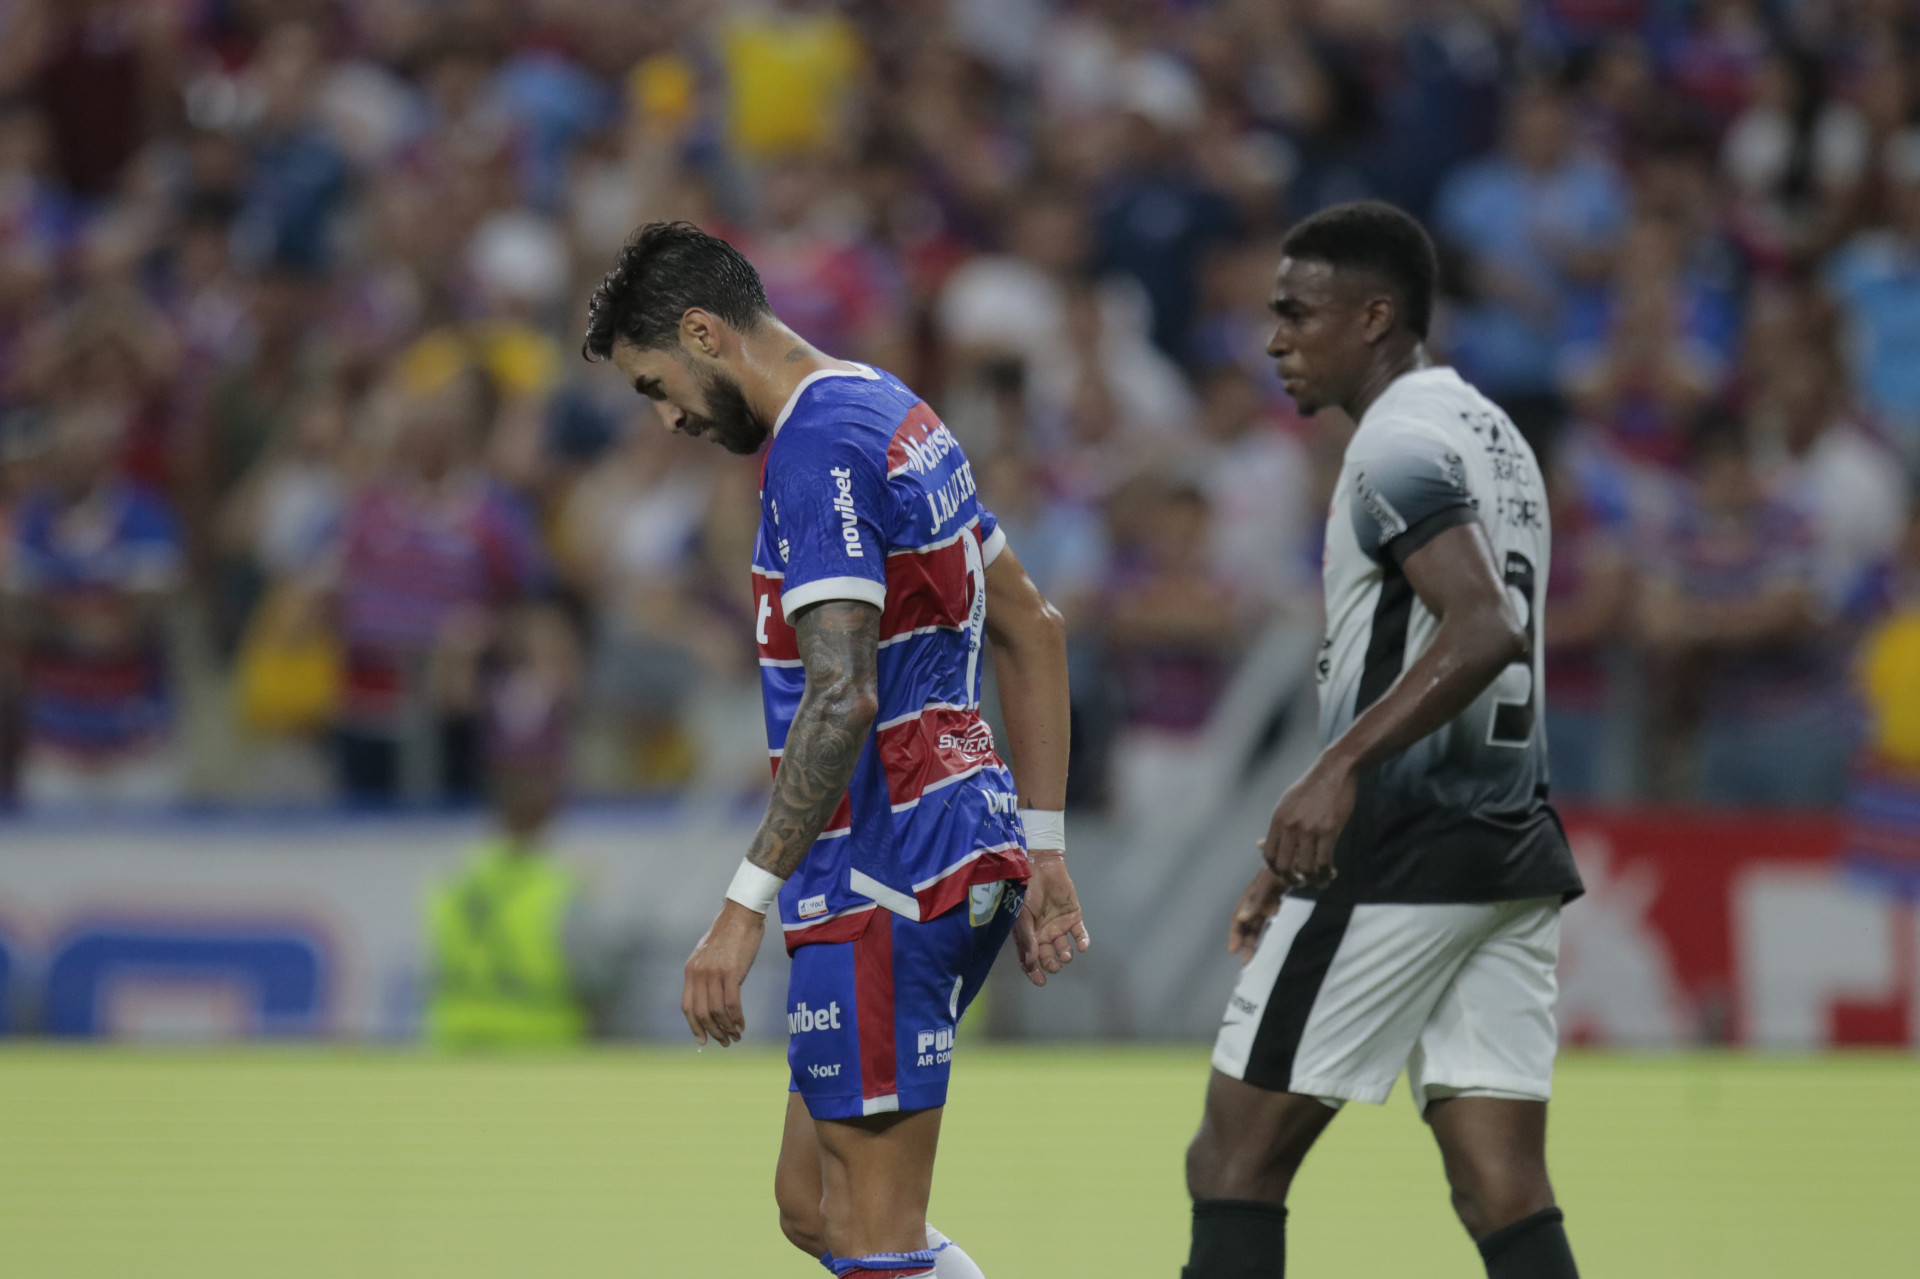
point(1337, 999)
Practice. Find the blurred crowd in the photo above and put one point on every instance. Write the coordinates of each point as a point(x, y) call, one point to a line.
point(305, 493)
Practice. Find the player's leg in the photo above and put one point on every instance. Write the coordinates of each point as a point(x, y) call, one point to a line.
point(1327, 1010)
point(1239, 1168)
point(1252, 1141)
point(1495, 1151)
point(990, 913)
point(796, 1182)
point(1482, 1074)
point(877, 1176)
point(798, 1189)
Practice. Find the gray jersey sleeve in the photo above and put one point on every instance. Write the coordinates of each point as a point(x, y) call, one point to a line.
point(1409, 487)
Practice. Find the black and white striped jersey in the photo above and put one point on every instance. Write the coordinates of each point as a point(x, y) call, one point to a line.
point(1462, 814)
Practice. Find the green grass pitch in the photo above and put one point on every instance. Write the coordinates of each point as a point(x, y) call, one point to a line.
point(294, 1163)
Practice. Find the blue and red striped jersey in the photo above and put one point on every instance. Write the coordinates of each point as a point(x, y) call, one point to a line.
point(865, 495)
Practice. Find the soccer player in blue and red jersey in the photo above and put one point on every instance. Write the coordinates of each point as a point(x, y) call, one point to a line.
point(901, 850)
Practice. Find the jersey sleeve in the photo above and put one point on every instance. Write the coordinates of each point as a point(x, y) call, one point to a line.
point(1409, 486)
point(832, 510)
point(993, 538)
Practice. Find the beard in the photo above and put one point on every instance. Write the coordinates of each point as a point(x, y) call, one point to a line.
point(729, 421)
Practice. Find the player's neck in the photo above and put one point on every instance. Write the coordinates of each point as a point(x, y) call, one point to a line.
point(775, 361)
point(1389, 367)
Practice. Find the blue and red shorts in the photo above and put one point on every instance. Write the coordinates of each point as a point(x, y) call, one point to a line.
point(871, 1022)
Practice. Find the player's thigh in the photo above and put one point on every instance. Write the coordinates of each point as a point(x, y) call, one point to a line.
point(1493, 1033)
point(1334, 998)
point(1252, 1140)
point(796, 1176)
point(877, 1177)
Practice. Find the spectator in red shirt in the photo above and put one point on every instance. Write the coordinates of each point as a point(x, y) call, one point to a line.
point(1172, 625)
point(1733, 606)
point(433, 549)
point(93, 564)
point(1589, 588)
point(838, 293)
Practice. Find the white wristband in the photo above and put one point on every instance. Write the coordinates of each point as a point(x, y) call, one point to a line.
point(1045, 829)
point(754, 888)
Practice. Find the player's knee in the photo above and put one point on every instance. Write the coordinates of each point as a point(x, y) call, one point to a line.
point(1200, 1163)
point(1222, 1164)
point(1489, 1196)
point(801, 1219)
point(805, 1231)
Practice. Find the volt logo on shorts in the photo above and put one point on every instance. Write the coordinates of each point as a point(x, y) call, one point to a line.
point(849, 520)
point(804, 1019)
point(831, 1070)
point(934, 1047)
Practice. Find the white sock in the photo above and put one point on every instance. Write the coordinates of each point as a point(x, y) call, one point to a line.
point(951, 1262)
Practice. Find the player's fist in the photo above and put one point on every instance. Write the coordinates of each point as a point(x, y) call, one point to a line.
point(1250, 915)
point(710, 999)
point(1307, 823)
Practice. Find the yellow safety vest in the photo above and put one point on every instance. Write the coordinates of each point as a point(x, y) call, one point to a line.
point(1890, 662)
point(500, 976)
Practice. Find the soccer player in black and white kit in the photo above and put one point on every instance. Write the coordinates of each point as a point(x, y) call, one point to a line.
point(1407, 912)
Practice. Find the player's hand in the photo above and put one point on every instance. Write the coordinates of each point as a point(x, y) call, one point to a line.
point(1250, 915)
point(1049, 929)
point(1308, 821)
point(711, 997)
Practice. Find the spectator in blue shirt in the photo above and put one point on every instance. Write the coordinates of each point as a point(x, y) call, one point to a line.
point(1876, 280)
point(1536, 225)
point(1158, 220)
point(299, 178)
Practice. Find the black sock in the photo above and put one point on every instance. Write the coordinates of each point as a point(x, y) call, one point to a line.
point(1531, 1248)
point(1237, 1239)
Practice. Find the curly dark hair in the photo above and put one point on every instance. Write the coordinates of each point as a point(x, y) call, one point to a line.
point(663, 269)
point(1372, 235)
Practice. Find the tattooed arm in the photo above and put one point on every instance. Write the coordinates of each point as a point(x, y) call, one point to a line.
point(840, 650)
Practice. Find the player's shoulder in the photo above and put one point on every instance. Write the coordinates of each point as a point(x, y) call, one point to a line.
point(844, 412)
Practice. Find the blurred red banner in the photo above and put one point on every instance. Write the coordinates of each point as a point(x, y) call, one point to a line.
point(1740, 929)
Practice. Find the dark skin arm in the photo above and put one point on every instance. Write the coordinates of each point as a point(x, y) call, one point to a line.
point(1029, 640)
point(840, 649)
point(1479, 636)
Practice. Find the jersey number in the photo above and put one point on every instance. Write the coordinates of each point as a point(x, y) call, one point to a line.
point(1513, 701)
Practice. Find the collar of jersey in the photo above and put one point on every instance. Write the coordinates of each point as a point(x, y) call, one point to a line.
point(859, 370)
point(1408, 380)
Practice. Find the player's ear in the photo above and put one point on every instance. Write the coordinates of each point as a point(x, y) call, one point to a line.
point(1378, 315)
point(700, 333)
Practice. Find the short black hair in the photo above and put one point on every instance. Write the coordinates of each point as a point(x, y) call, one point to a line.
point(663, 269)
point(1372, 235)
